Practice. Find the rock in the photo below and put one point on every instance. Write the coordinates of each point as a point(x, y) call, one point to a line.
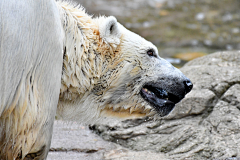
point(200, 16)
point(232, 95)
point(189, 56)
point(123, 154)
point(221, 59)
point(72, 155)
point(205, 125)
point(74, 141)
point(196, 102)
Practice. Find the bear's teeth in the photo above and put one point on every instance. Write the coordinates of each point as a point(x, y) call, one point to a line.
point(131, 110)
point(145, 89)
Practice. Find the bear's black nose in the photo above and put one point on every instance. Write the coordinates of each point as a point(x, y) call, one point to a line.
point(188, 85)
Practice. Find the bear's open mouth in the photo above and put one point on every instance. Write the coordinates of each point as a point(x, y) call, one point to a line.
point(161, 100)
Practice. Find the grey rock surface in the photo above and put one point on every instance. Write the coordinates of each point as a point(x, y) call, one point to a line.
point(205, 125)
point(73, 141)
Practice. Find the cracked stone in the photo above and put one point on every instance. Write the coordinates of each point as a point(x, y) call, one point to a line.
point(232, 95)
point(196, 102)
point(76, 141)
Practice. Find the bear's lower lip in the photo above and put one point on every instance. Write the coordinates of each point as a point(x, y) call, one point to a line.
point(162, 101)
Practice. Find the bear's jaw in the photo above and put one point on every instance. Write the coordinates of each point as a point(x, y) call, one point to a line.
point(161, 100)
point(133, 107)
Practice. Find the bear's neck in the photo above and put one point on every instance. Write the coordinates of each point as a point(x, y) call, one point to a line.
point(82, 62)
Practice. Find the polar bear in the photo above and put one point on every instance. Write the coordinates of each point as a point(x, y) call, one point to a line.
point(54, 57)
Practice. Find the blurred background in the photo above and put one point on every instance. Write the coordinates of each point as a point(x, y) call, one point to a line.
point(181, 29)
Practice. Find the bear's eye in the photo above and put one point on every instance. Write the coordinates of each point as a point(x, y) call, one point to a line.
point(151, 53)
point(111, 28)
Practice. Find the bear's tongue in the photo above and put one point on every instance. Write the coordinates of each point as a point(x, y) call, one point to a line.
point(162, 101)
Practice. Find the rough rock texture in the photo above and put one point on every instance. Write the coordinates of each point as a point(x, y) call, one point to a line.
point(205, 125)
point(73, 141)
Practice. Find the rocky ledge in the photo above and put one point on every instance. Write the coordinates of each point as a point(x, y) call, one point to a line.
point(205, 125)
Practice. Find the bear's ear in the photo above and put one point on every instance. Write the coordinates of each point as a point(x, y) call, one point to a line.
point(110, 31)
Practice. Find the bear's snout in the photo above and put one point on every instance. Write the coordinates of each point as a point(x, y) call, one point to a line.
point(164, 93)
point(188, 85)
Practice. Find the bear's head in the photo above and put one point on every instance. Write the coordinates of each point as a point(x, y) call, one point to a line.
point(141, 81)
point(118, 73)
